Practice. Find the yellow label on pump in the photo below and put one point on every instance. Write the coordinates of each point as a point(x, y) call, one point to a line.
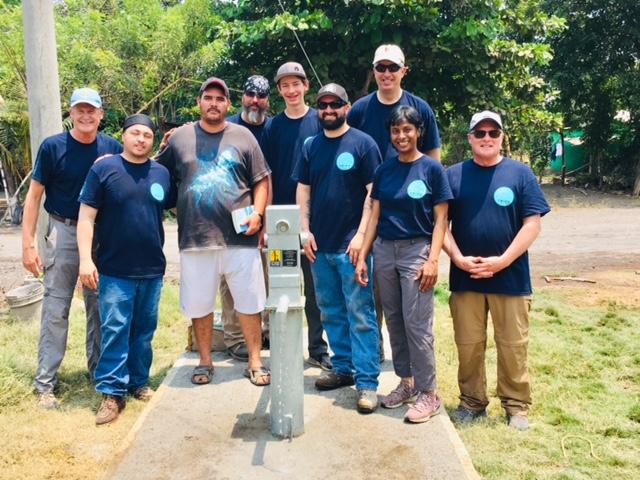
point(275, 258)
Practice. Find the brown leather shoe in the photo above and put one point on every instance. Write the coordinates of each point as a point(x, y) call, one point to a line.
point(144, 394)
point(110, 408)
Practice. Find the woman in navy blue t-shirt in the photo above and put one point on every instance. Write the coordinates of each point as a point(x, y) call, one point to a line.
point(409, 219)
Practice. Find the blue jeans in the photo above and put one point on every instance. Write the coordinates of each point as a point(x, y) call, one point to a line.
point(349, 318)
point(129, 316)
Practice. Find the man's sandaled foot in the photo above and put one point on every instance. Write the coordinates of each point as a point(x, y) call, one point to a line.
point(202, 374)
point(260, 376)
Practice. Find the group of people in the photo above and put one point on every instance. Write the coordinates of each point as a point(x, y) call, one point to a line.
point(377, 208)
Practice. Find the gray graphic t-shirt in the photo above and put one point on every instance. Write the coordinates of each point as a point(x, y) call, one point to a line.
point(214, 174)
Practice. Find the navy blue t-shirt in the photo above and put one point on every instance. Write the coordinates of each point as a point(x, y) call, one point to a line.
point(257, 130)
point(338, 171)
point(62, 165)
point(407, 193)
point(488, 207)
point(370, 116)
point(130, 199)
point(283, 139)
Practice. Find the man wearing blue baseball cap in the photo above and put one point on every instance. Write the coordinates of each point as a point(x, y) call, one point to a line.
point(59, 170)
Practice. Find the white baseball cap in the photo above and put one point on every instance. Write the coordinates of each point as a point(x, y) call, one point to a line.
point(392, 53)
point(485, 115)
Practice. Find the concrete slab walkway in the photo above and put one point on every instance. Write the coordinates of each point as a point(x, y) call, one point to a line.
point(221, 431)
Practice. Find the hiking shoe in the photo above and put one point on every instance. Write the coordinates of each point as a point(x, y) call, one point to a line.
point(48, 401)
point(144, 394)
point(463, 415)
point(367, 401)
point(519, 422)
point(426, 406)
point(109, 410)
point(331, 381)
point(400, 395)
point(239, 352)
point(322, 361)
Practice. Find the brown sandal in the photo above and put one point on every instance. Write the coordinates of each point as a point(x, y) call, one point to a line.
point(254, 374)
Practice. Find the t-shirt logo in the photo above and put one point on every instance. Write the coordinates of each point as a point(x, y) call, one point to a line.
point(417, 189)
point(307, 140)
point(157, 191)
point(345, 161)
point(504, 196)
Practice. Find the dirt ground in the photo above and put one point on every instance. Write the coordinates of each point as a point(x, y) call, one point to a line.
point(588, 234)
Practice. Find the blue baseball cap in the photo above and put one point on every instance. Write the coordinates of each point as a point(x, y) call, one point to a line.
point(86, 95)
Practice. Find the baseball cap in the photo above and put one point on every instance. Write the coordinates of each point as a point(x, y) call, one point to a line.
point(290, 68)
point(392, 53)
point(86, 95)
point(485, 115)
point(333, 89)
point(256, 83)
point(138, 119)
point(214, 82)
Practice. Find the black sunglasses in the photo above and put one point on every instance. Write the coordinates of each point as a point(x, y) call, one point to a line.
point(334, 105)
point(256, 94)
point(482, 133)
point(392, 67)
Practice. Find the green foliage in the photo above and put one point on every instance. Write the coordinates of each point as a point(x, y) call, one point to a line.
point(597, 71)
point(463, 56)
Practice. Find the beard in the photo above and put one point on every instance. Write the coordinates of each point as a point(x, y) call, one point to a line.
point(333, 124)
point(255, 117)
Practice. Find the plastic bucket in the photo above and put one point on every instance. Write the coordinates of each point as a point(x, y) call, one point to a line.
point(25, 302)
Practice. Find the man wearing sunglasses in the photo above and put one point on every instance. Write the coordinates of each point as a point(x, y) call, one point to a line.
point(495, 217)
point(255, 101)
point(370, 113)
point(283, 140)
point(335, 176)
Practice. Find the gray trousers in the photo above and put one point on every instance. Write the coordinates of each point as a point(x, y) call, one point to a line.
point(61, 262)
point(407, 311)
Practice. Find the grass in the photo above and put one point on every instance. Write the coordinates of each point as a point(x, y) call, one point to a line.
point(66, 443)
point(584, 363)
point(585, 369)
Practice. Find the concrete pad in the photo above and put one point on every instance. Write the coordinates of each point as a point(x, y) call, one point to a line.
point(221, 431)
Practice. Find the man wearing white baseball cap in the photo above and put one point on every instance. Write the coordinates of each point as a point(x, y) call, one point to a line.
point(60, 168)
point(370, 113)
point(495, 217)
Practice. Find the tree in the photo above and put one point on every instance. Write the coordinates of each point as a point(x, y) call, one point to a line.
point(597, 70)
point(464, 56)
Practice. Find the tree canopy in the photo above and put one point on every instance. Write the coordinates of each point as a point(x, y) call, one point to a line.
point(150, 55)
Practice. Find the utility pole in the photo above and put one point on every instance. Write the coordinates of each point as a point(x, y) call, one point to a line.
point(43, 87)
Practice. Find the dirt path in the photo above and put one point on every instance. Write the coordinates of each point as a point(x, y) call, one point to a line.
point(587, 234)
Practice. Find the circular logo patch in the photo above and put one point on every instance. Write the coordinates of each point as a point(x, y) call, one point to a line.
point(417, 189)
point(504, 196)
point(345, 161)
point(157, 192)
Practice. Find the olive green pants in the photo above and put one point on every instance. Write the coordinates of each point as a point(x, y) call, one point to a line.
point(510, 316)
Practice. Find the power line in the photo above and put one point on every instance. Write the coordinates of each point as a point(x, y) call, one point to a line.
point(302, 47)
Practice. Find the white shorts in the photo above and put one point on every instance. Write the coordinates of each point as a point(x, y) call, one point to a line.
point(200, 274)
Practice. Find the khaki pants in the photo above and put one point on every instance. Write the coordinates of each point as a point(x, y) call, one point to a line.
point(510, 315)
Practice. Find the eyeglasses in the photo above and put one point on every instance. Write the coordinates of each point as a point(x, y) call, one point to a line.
point(256, 94)
point(392, 67)
point(483, 133)
point(334, 105)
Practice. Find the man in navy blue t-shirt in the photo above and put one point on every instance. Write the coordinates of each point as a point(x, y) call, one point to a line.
point(370, 113)
point(334, 178)
point(255, 101)
point(127, 195)
point(495, 217)
point(60, 169)
point(283, 141)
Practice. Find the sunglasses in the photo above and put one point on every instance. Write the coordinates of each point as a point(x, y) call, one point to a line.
point(392, 67)
point(482, 133)
point(334, 105)
point(256, 94)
